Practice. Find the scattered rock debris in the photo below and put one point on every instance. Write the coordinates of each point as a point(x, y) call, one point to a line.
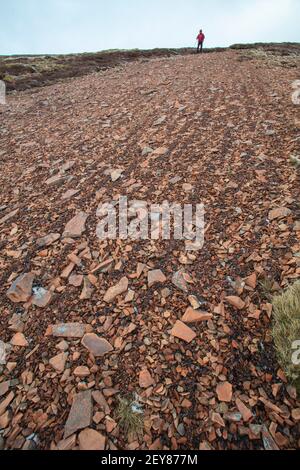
point(85, 322)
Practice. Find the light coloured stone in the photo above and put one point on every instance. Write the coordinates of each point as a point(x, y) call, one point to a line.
point(4, 351)
point(19, 340)
point(58, 362)
point(179, 281)
point(236, 302)
point(76, 280)
point(145, 379)
point(194, 316)
point(67, 330)
point(155, 277)
point(87, 290)
point(96, 345)
point(182, 331)
point(76, 226)
point(82, 371)
point(116, 290)
point(41, 297)
point(69, 194)
point(279, 213)
point(89, 439)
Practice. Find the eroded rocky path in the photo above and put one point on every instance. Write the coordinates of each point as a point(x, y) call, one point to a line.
point(210, 129)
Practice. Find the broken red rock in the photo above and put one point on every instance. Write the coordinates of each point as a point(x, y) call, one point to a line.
point(55, 180)
point(245, 412)
point(21, 288)
point(6, 402)
point(105, 266)
point(87, 290)
point(16, 324)
point(81, 413)
point(182, 331)
point(101, 401)
point(67, 330)
point(116, 174)
point(75, 280)
point(110, 424)
point(195, 316)
point(251, 281)
point(96, 345)
point(62, 346)
point(116, 290)
point(89, 439)
point(67, 271)
point(5, 419)
point(194, 302)
point(187, 187)
point(76, 226)
point(130, 296)
point(279, 213)
point(4, 387)
point(156, 277)
point(217, 419)
point(67, 166)
point(48, 240)
point(236, 302)
point(145, 379)
point(296, 414)
point(67, 444)
point(19, 340)
point(82, 371)
point(236, 245)
point(69, 194)
point(140, 269)
point(58, 362)
point(224, 392)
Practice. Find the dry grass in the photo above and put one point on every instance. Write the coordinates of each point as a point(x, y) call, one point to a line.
point(267, 288)
point(286, 330)
point(130, 416)
point(272, 58)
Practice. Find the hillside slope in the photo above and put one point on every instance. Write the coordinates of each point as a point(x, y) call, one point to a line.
point(216, 129)
point(29, 71)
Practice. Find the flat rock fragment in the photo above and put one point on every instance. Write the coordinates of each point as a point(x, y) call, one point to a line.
point(116, 290)
point(81, 413)
point(96, 345)
point(21, 288)
point(182, 331)
point(76, 226)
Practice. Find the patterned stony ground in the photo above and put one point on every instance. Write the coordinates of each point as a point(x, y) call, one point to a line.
point(225, 129)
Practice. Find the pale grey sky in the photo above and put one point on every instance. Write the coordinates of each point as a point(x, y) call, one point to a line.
point(63, 26)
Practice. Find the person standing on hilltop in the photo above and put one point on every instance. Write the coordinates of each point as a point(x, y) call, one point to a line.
point(200, 39)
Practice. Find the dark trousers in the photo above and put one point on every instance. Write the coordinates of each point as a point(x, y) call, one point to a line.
point(200, 47)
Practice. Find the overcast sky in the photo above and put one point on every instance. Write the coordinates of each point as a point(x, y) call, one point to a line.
point(62, 26)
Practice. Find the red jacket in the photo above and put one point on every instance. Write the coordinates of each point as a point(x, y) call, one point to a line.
point(201, 37)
